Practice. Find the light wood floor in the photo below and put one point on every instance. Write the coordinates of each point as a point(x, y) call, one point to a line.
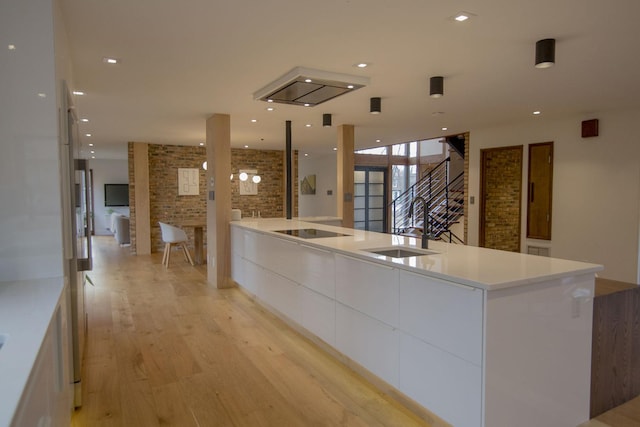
point(163, 348)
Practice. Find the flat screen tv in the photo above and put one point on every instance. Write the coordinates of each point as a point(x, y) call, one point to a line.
point(116, 194)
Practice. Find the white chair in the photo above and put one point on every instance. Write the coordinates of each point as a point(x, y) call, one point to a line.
point(173, 236)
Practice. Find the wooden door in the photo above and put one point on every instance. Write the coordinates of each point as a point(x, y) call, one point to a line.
point(501, 190)
point(540, 191)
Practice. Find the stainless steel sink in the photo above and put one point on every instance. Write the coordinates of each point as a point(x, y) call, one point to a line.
point(400, 252)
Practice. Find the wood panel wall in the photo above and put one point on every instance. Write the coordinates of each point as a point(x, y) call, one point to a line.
point(615, 354)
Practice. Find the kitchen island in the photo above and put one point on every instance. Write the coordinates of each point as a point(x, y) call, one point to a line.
point(477, 337)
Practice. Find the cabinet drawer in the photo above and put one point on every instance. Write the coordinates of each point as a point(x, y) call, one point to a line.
point(319, 315)
point(441, 382)
point(368, 287)
point(318, 270)
point(371, 343)
point(444, 314)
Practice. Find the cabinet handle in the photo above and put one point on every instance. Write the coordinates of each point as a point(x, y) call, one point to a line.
point(369, 262)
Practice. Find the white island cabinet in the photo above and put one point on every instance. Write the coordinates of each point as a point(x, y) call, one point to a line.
point(478, 337)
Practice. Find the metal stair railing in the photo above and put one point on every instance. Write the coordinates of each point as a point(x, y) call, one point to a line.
point(444, 198)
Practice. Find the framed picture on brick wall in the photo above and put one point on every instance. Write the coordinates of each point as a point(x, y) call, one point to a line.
point(188, 182)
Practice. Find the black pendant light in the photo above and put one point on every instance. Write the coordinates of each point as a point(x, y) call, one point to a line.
point(545, 53)
point(436, 86)
point(326, 120)
point(376, 106)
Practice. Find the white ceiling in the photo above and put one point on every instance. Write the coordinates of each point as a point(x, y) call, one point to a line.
point(182, 61)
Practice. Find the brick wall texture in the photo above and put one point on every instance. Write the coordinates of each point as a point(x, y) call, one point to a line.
point(502, 190)
point(167, 206)
point(270, 200)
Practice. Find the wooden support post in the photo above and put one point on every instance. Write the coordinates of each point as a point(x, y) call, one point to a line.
point(219, 200)
point(345, 168)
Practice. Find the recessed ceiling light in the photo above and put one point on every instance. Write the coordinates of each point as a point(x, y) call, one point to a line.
point(93, 152)
point(201, 144)
point(254, 120)
point(11, 47)
point(42, 95)
point(93, 157)
point(246, 146)
point(307, 80)
point(107, 60)
point(306, 105)
point(269, 100)
point(463, 16)
point(78, 92)
point(350, 86)
point(308, 125)
point(335, 148)
point(362, 65)
point(91, 145)
point(84, 120)
point(270, 108)
point(306, 155)
point(87, 134)
point(445, 128)
point(536, 113)
point(378, 140)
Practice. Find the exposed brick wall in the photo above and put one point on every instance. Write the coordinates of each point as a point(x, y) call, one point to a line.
point(167, 206)
point(502, 190)
point(132, 198)
point(270, 199)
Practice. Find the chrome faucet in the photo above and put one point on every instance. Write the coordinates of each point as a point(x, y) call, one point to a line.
point(426, 224)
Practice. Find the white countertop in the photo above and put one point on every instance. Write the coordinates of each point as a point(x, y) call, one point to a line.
point(26, 309)
point(469, 265)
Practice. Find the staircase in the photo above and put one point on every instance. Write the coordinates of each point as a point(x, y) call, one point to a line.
point(445, 201)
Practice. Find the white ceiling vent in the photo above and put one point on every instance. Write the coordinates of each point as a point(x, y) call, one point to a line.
point(308, 87)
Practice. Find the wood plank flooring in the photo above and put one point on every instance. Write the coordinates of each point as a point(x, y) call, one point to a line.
point(164, 348)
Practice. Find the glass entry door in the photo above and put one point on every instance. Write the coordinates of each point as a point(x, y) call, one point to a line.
point(370, 199)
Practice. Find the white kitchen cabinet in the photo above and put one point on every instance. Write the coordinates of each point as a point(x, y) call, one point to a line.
point(278, 255)
point(46, 399)
point(281, 293)
point(368, 287)
point(237, 241)
point(371, 343)
point(446, 384)
point(237, 268)
point(319, 315)
point(317, 270)
point(444, 314)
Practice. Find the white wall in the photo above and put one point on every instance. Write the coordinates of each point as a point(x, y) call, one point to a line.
point(107, 172)
point(325, 169)
point(596, 187)
point(30, 211)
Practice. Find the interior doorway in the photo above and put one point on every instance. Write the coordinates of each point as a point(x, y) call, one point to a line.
point(370, 198)
point(500, 201)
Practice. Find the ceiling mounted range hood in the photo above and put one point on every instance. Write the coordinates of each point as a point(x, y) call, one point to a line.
point(308, 87)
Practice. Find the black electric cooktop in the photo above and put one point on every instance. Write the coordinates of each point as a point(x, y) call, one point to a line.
point(310, 233)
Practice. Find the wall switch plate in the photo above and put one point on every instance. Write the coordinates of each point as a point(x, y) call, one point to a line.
point(472, 200)
point(329, 192)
